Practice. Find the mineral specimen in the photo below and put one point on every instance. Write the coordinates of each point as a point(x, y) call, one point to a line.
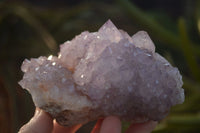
point(104, 73)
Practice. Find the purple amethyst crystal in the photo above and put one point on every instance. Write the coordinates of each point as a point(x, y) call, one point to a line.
point(104, 73)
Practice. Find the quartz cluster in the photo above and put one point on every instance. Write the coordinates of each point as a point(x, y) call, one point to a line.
point(104, 73)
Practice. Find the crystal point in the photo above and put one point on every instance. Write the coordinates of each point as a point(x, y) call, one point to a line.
point(142, 40)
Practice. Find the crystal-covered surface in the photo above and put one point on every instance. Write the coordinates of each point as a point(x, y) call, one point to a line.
point(47, 81)
point(104, 73)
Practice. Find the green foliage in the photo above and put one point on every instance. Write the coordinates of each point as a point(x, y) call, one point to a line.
point(30, 31)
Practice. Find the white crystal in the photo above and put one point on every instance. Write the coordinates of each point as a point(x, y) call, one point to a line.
point(37, 68)
point(59, 56)
point(50, 57)
point(54, 63)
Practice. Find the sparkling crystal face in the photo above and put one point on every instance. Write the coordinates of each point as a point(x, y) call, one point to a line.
point(104, 73)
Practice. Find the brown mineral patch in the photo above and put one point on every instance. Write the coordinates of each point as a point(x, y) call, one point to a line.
point(43, 88)
point(51, 108)
point(71, 117)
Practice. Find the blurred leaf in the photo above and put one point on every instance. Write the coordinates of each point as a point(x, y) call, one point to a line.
point(23, 13)
point(188, 50)
point(167, 37)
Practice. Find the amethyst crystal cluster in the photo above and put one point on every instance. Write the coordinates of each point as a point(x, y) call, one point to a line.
point(104, 73)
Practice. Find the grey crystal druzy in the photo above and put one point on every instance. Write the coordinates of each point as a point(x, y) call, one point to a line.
point(104, 73)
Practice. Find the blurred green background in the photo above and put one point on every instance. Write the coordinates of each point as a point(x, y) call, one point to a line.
point(31, 28)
